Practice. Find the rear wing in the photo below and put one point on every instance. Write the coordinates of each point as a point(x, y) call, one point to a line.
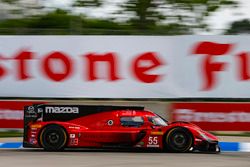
point(46, 112)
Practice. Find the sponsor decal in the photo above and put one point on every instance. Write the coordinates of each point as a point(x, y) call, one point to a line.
point(36, 126)
point(153, 141)
point(110, 122)
point(157, 133)
point(33, 132)
point(31, 110)
point(72, 136)
point(32, 141)
point(62, 110)
point(153, 146)
point(40, 110)
point(74, 142)
point(74, 127)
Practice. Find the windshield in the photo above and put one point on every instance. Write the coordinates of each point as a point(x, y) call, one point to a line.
point(157, 121)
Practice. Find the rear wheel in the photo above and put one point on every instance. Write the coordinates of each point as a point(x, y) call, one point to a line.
point(53, 138)
point(178, 140)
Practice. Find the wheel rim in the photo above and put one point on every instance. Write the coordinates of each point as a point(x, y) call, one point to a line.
point(53, 138)
point(179, 141)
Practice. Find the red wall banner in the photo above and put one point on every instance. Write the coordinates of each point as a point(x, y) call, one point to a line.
point(11, 113)
point(214, 116)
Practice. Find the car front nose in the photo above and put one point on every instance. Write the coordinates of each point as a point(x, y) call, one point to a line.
point(207, 142)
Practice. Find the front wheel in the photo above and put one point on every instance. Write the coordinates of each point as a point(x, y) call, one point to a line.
point(178, 140)
point(53, 138)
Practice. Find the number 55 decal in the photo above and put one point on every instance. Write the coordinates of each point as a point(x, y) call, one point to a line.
point(153, 140)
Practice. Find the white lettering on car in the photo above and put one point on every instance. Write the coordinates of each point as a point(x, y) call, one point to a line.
point(62, 110)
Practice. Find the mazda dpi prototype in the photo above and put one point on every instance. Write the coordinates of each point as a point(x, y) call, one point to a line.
point(56, 127)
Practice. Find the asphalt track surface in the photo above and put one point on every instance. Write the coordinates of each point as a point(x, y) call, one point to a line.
point(114, 158)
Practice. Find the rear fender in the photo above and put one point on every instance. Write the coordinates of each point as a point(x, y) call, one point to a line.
point(73, 131)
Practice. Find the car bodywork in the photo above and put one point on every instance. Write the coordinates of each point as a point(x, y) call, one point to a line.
point(110, 126)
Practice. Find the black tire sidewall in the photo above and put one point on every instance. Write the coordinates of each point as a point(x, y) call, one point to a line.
point(61, 141)
point(169, 146)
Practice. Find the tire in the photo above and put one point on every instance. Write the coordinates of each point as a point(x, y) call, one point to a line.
point(53, 138)
point(178, 140)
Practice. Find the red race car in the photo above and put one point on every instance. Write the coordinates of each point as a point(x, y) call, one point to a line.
point(55, 127)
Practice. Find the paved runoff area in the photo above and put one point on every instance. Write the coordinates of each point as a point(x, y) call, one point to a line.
point(18, 157)
point(90, 158)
